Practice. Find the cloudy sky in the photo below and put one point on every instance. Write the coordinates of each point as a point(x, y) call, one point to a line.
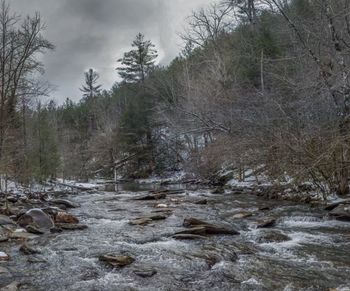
point(95, 33)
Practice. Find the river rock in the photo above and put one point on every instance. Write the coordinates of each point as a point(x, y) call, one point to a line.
point(140, 221)
point(27, 250)
point(208, 227)
point(117, 261)
point(4, 220)
point(67, 203)
point(188, 236)
point(341, 212)
point(161, 206)
point(33, 229)
point(266, 222)
point(151, 197)
point(243, 214)
point(64, 217)
point(144, 273)
point(38, 218)
point(201, 202)
point(71, 226)
point(11, 287)
point(22, 234)
point(4, 256)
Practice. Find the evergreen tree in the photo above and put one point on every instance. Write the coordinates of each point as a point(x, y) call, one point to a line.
point(138, 62)
point(90, 89)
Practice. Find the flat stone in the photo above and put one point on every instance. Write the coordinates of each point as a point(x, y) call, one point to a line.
point(4, 256)
point(11, 287)
point(209, 228)
point(144, 273)
point(22, 235)
point(188, 236)
point(140, 221)
point(266, 222)
point(117, 261)
point(243, 214)
point(5, 220)
point(64, 217)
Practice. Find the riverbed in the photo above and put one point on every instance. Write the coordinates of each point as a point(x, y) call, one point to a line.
point(304, 250)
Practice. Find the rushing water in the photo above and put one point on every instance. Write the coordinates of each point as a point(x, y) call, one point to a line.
point(317, 256)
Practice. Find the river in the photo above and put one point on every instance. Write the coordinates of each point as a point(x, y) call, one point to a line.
point(315, 256)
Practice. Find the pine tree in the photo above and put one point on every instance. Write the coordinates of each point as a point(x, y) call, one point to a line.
point(138, 62)
point(90, 89)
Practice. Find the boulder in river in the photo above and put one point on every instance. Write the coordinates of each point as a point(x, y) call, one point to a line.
point(64, 217)
point(140, 221)
point(38, 218)
point(209, 228)
point(117, 261)
point(266, 222)
point(201, 202)
point(341, 212)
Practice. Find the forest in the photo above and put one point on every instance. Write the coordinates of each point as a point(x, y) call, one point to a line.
point(226, 168)
point(258, 85)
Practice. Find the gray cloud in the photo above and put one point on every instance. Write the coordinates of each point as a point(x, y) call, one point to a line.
point(95, 33)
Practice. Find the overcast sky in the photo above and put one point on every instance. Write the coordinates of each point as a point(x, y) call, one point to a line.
point(95, 33)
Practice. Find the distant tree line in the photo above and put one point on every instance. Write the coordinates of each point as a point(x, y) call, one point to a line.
point(259, 85)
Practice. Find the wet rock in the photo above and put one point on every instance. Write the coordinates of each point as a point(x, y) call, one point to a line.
point(243, 214)
point(4, 220)
point(157, 216)
point(197, 230)
point(11, 287)
point(272, 236)
point(341, 212)
point(266, 222)
point(4, 256)
point(201, 202)
point(219, 190)
point(188, 236)
point(67, 203)
point(140, 221)
point(209, 228)
point(64, 217)
point(71, 226)
point(34, 229)
point(38, 218)
point(56, 230)
point(161, 206)
point(27, 250)
point(144, 273)
point(151, 197)
point(117, 261)
point(4, 272)
point(22, 234)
